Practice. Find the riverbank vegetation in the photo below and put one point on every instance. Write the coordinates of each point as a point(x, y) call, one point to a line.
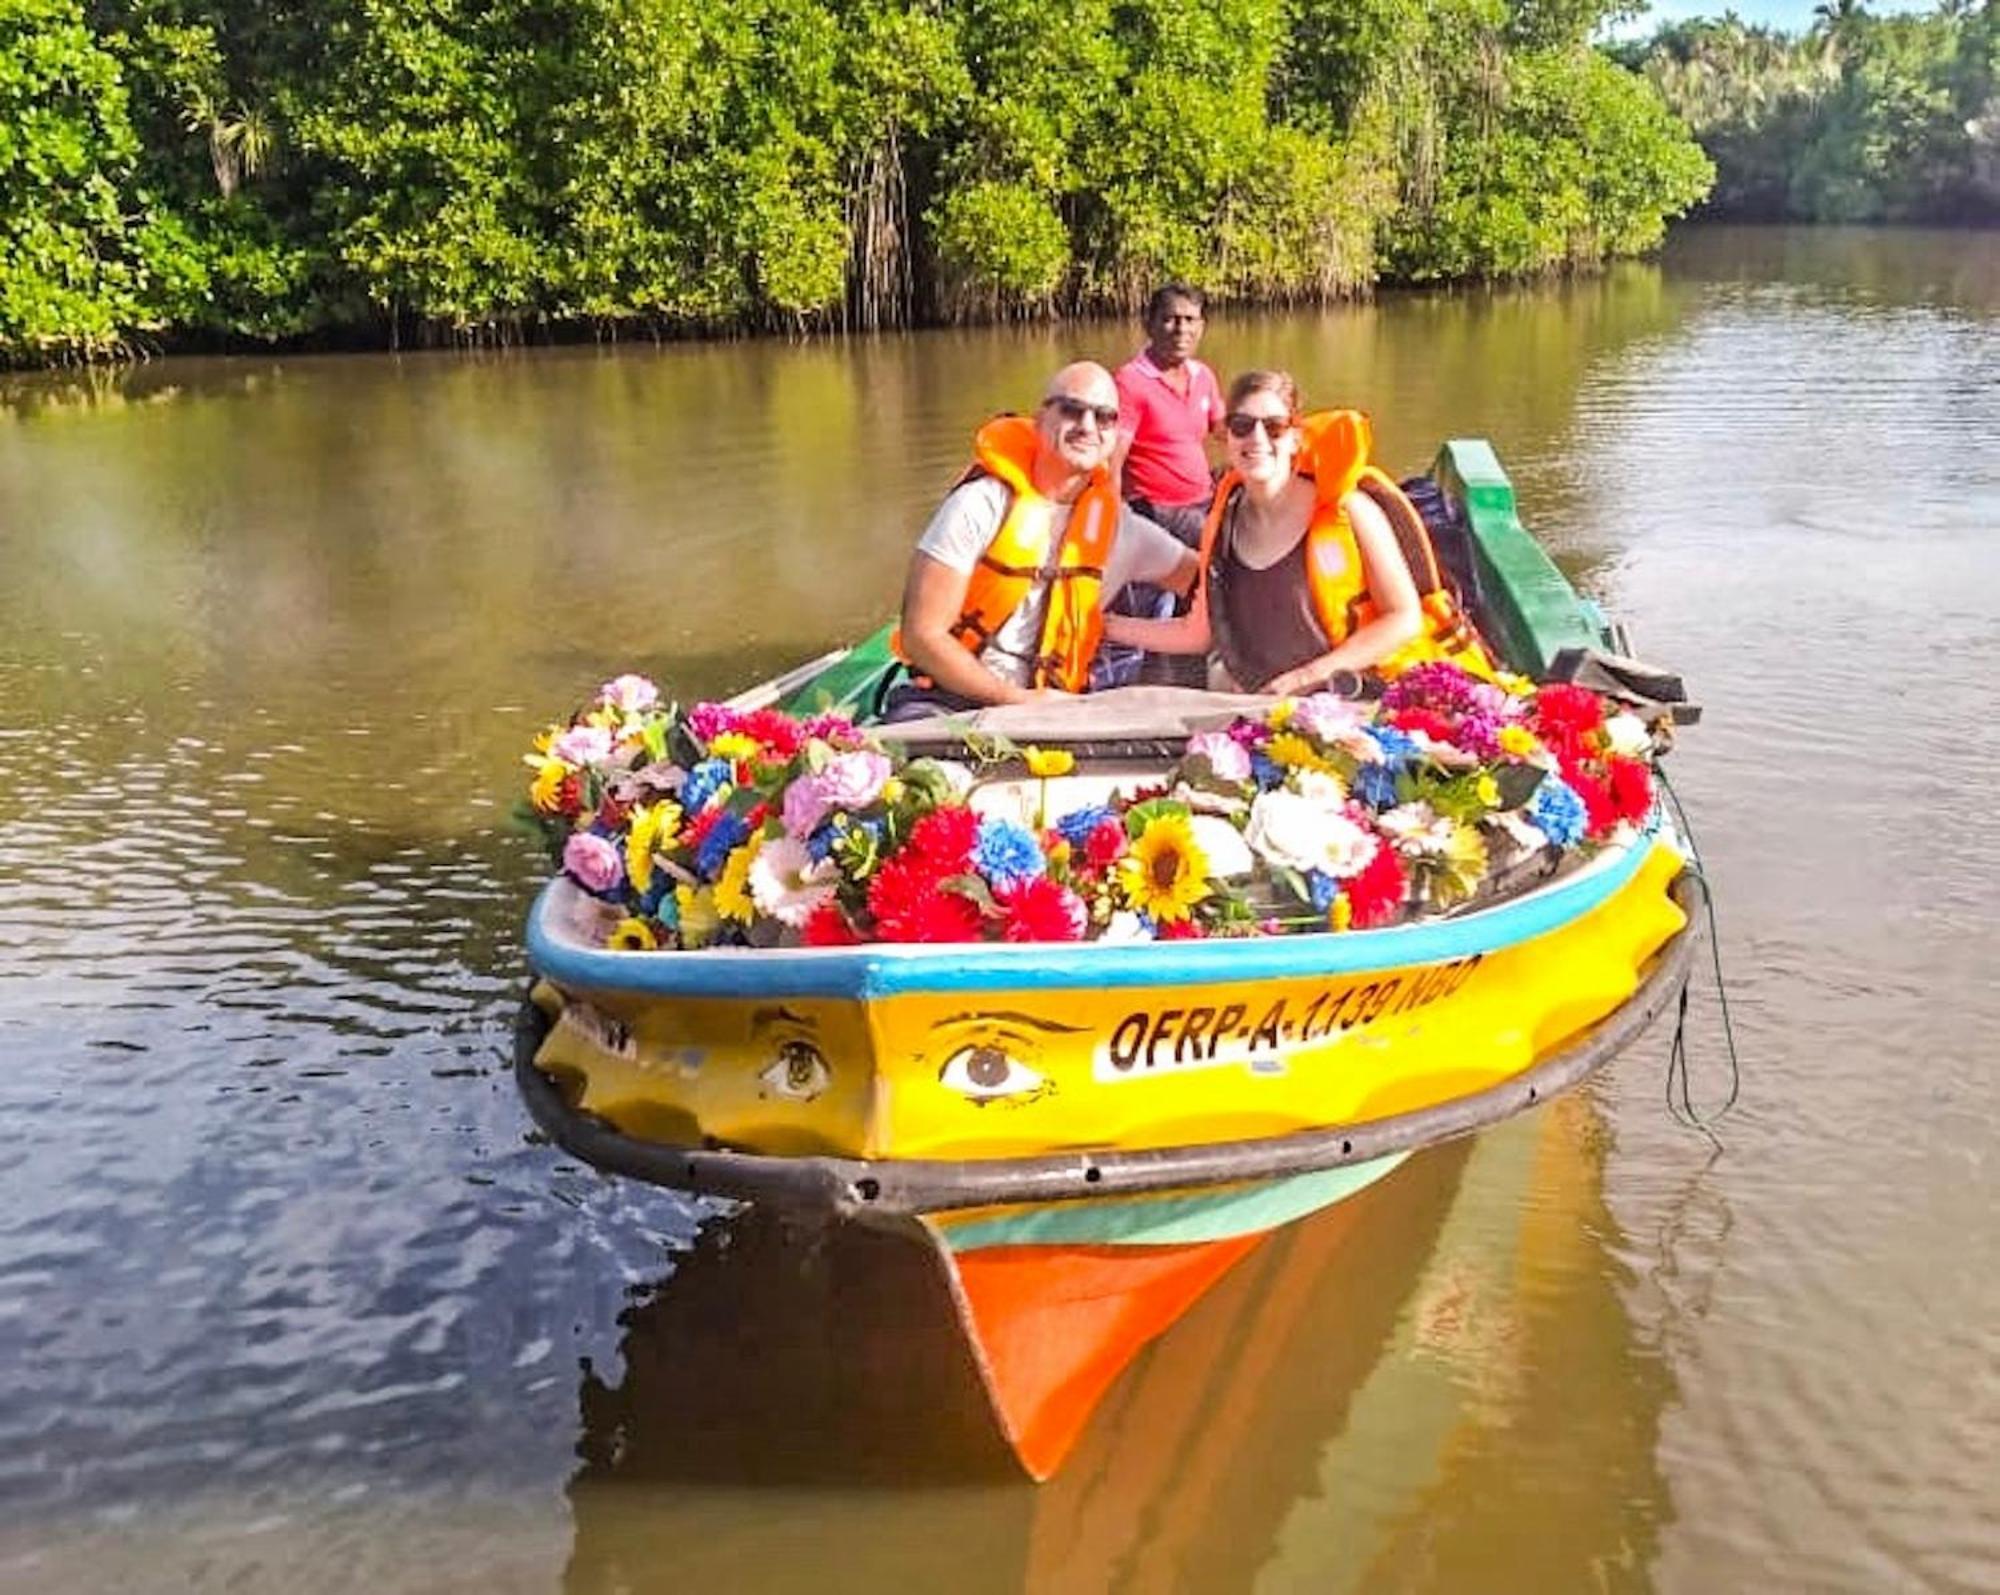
point(1860, 118)
point(377, 171)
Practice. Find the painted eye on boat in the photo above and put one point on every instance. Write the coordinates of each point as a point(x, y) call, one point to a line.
point(986, 1074)
point(799, 1073)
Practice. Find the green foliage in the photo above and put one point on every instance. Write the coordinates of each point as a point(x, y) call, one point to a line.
point(1863, 118)
point(71, 278)
point(474, 168)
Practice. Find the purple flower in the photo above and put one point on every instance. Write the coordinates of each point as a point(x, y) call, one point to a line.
point(593, 863)
point(1479, 733)
point(1437, 684)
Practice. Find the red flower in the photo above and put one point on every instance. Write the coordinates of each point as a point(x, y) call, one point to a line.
point(1040, 910)
point(944, 838)
point(1631, 788)
point(569, 797)
point(1565, 715)
point(777, 733)
point(1598, 803)
point(898, 893)
point(611, 813)
point(1428, 721)
point(1181, 930)
point(829, 927)
point(932, 917)
point(1103, 845)
point(1376, 893)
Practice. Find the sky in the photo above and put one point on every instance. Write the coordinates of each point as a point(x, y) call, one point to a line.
point(1793, 16)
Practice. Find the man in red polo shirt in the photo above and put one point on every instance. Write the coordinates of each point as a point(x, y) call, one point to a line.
point(1169, 405)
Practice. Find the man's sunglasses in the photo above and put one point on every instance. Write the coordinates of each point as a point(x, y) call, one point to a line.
point(1076, 410)
point(1241, 425)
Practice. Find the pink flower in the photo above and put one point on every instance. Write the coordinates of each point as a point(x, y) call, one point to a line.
point(1227, 757)
point(581, 745)
point(592, 862)
point(804, 806)
point(628, 694)
point(853, 780)
point(707, 721)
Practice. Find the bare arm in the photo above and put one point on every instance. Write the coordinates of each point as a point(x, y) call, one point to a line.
point(933, 599)
point(1184, 634)
point(1399, 614)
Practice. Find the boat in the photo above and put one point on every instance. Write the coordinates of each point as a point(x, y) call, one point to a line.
point(1085, 1137)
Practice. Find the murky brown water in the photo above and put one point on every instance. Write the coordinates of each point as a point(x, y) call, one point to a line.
point(288, 1300)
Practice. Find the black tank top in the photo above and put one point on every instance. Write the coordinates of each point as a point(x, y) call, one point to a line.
point(1263, 621)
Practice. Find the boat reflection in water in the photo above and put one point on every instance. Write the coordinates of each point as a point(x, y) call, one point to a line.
point(1346, 1408)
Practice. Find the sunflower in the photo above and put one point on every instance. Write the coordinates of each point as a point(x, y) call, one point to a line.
point(732, 886)
point(1166, 873)
point(653, 827)
point(632, 935)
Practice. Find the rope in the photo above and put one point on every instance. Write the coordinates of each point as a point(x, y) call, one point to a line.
point(1680, 1095)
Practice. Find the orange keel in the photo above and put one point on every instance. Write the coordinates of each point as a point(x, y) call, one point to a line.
point(1054, 1325)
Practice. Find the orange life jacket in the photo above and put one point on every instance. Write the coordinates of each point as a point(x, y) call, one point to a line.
point(1333, 452)
point(1019, 556)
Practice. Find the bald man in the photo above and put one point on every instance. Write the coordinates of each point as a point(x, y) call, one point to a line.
point(1008, 583)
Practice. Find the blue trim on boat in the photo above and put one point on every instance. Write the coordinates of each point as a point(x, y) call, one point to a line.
point(882, 970)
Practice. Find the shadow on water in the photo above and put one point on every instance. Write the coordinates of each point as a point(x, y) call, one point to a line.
point(790, 1374)
point(1349, 1408)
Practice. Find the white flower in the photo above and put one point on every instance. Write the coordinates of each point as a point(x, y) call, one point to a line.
point(1444, 754)
point(1298, 832)
point(1228, 854)
point(1322, 786)
point(787, 883)
point(1227, 757)
point(1416, 829)
point(1628, 736)
point(1126, 926)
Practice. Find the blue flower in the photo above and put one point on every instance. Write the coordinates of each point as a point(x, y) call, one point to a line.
point(703, 782)
point(1078, 826)
point(1375, 785)
point(1006, 853)
point(1558, 811)
point(1267, 772)
point(1325, 890)
point(729, 834)
point(1397, 746)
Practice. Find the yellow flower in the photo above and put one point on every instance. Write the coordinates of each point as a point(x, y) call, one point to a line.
point(1489, 791)
point(1045, 762)
point(1281, 714)
point(733, 745)
point(732, 887)
point(545, 791)
point(632, 936)
point(544, 740)
point(892, 790)
point(1341, 915)
point(1166, 873)
point(1291, 749)
point(654, 826)
point(1519, 741)
point(698, 919)
point(1513, 685)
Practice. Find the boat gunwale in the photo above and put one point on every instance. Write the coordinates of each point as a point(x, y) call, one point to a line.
point(882, 969)
point(897, 1189)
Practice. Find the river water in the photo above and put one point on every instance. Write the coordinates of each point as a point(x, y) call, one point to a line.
point(290, 1300)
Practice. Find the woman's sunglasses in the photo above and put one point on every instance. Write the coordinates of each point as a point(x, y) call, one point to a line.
point(1241, 425)
point(1075, 410)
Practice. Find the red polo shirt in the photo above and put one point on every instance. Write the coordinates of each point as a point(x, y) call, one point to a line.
point(1167, 462)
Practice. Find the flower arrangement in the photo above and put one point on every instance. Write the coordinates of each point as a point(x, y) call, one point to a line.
point(719, 826)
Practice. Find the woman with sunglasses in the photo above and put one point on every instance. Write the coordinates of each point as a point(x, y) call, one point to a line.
point(1304, 582)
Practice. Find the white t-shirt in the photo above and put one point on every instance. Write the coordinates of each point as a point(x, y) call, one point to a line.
point(969, 519)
